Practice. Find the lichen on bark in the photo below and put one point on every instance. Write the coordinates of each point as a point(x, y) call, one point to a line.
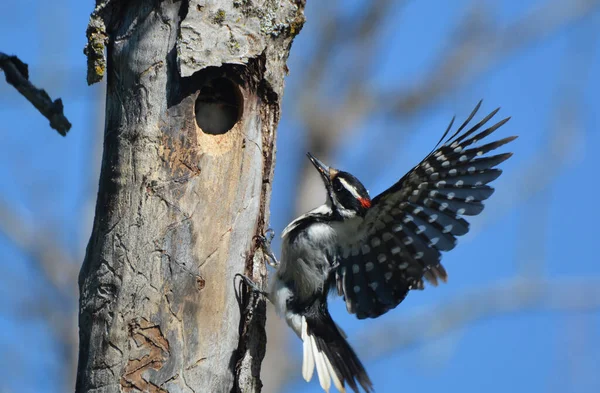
point(97, 39)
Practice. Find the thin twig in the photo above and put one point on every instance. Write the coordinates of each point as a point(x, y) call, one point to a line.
point(17, 74)
point(479, 47)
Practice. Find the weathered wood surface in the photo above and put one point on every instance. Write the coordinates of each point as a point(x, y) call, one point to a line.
point(177, 208)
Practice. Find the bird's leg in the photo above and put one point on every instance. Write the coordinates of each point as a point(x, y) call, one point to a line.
point(333, 268)
point(265, 243)
point(252, 285)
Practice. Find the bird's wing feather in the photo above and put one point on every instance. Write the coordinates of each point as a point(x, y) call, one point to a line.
point(400, 240)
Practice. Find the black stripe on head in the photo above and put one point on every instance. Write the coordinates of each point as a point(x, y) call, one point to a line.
point(349, 193)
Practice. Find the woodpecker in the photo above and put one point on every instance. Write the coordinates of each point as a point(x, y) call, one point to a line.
point(373, 251)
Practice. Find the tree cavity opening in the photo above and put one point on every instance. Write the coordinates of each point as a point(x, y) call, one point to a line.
point(218, 106)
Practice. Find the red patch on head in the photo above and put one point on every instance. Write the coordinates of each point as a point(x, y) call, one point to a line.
point(365, 202)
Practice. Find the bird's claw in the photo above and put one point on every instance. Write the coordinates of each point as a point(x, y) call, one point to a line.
point(251, 284)
point(265, 244)
point(333, 268)
point(270, 234)
point(266, 238)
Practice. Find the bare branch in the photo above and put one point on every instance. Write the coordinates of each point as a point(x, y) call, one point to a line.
point(17, 74)
point(52, 261)
point(566, 134)
point(478, 46)
point(513, 296)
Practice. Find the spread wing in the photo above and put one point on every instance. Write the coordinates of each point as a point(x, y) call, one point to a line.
point(400, 240)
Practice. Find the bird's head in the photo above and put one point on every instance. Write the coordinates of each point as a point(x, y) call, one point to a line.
point(346, 195)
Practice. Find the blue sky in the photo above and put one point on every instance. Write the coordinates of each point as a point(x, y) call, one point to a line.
point(47, 178)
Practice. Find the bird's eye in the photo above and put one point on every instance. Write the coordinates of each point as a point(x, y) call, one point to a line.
point(337, 185)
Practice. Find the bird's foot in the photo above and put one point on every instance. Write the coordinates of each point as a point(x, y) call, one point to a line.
point(265, 244)
point(252, 285)
point(333, 268)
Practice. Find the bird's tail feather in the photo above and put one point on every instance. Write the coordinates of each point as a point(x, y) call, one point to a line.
point(325, 348)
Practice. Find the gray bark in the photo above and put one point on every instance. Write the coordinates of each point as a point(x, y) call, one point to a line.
point(178, 208)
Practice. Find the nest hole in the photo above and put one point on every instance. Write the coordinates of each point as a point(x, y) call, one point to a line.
point(218, 106)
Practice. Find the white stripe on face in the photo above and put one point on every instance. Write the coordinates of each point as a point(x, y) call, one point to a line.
point(350, 188)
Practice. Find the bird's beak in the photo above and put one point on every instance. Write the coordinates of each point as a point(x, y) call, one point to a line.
point(325, 171)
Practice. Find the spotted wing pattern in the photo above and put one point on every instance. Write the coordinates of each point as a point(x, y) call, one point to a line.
point(400, 240)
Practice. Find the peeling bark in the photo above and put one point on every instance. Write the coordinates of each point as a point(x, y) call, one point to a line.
point(178, 208)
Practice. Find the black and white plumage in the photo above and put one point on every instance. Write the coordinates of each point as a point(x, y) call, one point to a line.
point(373, 251)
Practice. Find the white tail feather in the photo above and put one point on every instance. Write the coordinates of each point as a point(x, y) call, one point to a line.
point(322, 371)
point(312, 357)
point(308, 361)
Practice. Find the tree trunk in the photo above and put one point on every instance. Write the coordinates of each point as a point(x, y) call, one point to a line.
point(181, 195)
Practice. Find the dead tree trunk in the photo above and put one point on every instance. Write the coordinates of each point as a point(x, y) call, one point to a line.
point(193, 100)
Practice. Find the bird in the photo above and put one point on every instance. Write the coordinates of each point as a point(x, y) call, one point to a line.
point(373, 251)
